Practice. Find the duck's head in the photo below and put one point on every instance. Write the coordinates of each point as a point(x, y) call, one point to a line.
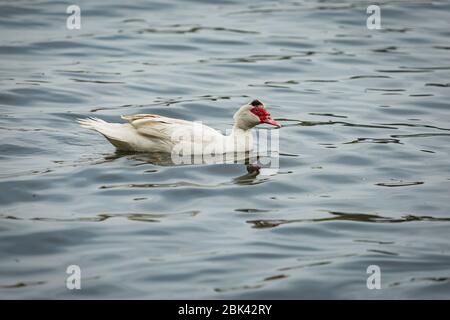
point(252, 114)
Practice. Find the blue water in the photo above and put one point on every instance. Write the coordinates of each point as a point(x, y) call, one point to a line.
point(364, 175)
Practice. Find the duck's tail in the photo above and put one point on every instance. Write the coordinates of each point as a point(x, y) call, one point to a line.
point(105, 128)
point(120, 135)
point(91, 123)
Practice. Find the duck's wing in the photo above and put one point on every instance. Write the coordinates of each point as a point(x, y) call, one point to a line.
point(171, 129)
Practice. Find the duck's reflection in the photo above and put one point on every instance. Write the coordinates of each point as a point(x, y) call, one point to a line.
point(255, 164)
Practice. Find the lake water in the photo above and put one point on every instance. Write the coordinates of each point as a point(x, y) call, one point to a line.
point(364, 170)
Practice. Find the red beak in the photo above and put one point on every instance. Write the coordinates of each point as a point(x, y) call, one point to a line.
point(269, 120)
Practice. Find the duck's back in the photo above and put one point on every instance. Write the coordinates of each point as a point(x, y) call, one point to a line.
point(154, 133)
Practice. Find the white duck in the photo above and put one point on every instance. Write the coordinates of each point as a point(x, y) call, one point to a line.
point(154, 133)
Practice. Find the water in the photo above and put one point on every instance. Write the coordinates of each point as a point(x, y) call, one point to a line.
point(364, 174)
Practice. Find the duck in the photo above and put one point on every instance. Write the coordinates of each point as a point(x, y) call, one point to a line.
point(155, 133)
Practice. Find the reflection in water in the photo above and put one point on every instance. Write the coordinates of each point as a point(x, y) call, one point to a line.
point(255, 165)
point(141, 217)
point(22, 284)
point(165, 159)
point(438, 280)
point(399, 183)
point(342, 216)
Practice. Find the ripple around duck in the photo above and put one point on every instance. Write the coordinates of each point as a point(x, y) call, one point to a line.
point(399, 184)
point(22, 284)
point(328, 123)
point(374, 140)
point(420, 135)
point(180, 29)
point(340, 216)
point(141, 217)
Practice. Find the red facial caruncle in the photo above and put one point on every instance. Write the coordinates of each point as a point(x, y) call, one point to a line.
point(264, 116)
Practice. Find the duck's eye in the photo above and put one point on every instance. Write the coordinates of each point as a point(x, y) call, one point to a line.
point(256, 103)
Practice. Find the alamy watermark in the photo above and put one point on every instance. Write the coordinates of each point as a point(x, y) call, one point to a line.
point(374, 20)
point(73, 281)
point(73, 21)
point(374, 280)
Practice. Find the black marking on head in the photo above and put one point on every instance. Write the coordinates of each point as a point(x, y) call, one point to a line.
point(256, 103)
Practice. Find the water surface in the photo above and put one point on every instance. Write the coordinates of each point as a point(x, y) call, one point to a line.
point(364, 175)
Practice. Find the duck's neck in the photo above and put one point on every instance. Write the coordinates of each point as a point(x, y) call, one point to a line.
point(239, 140)
point(237, 131)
